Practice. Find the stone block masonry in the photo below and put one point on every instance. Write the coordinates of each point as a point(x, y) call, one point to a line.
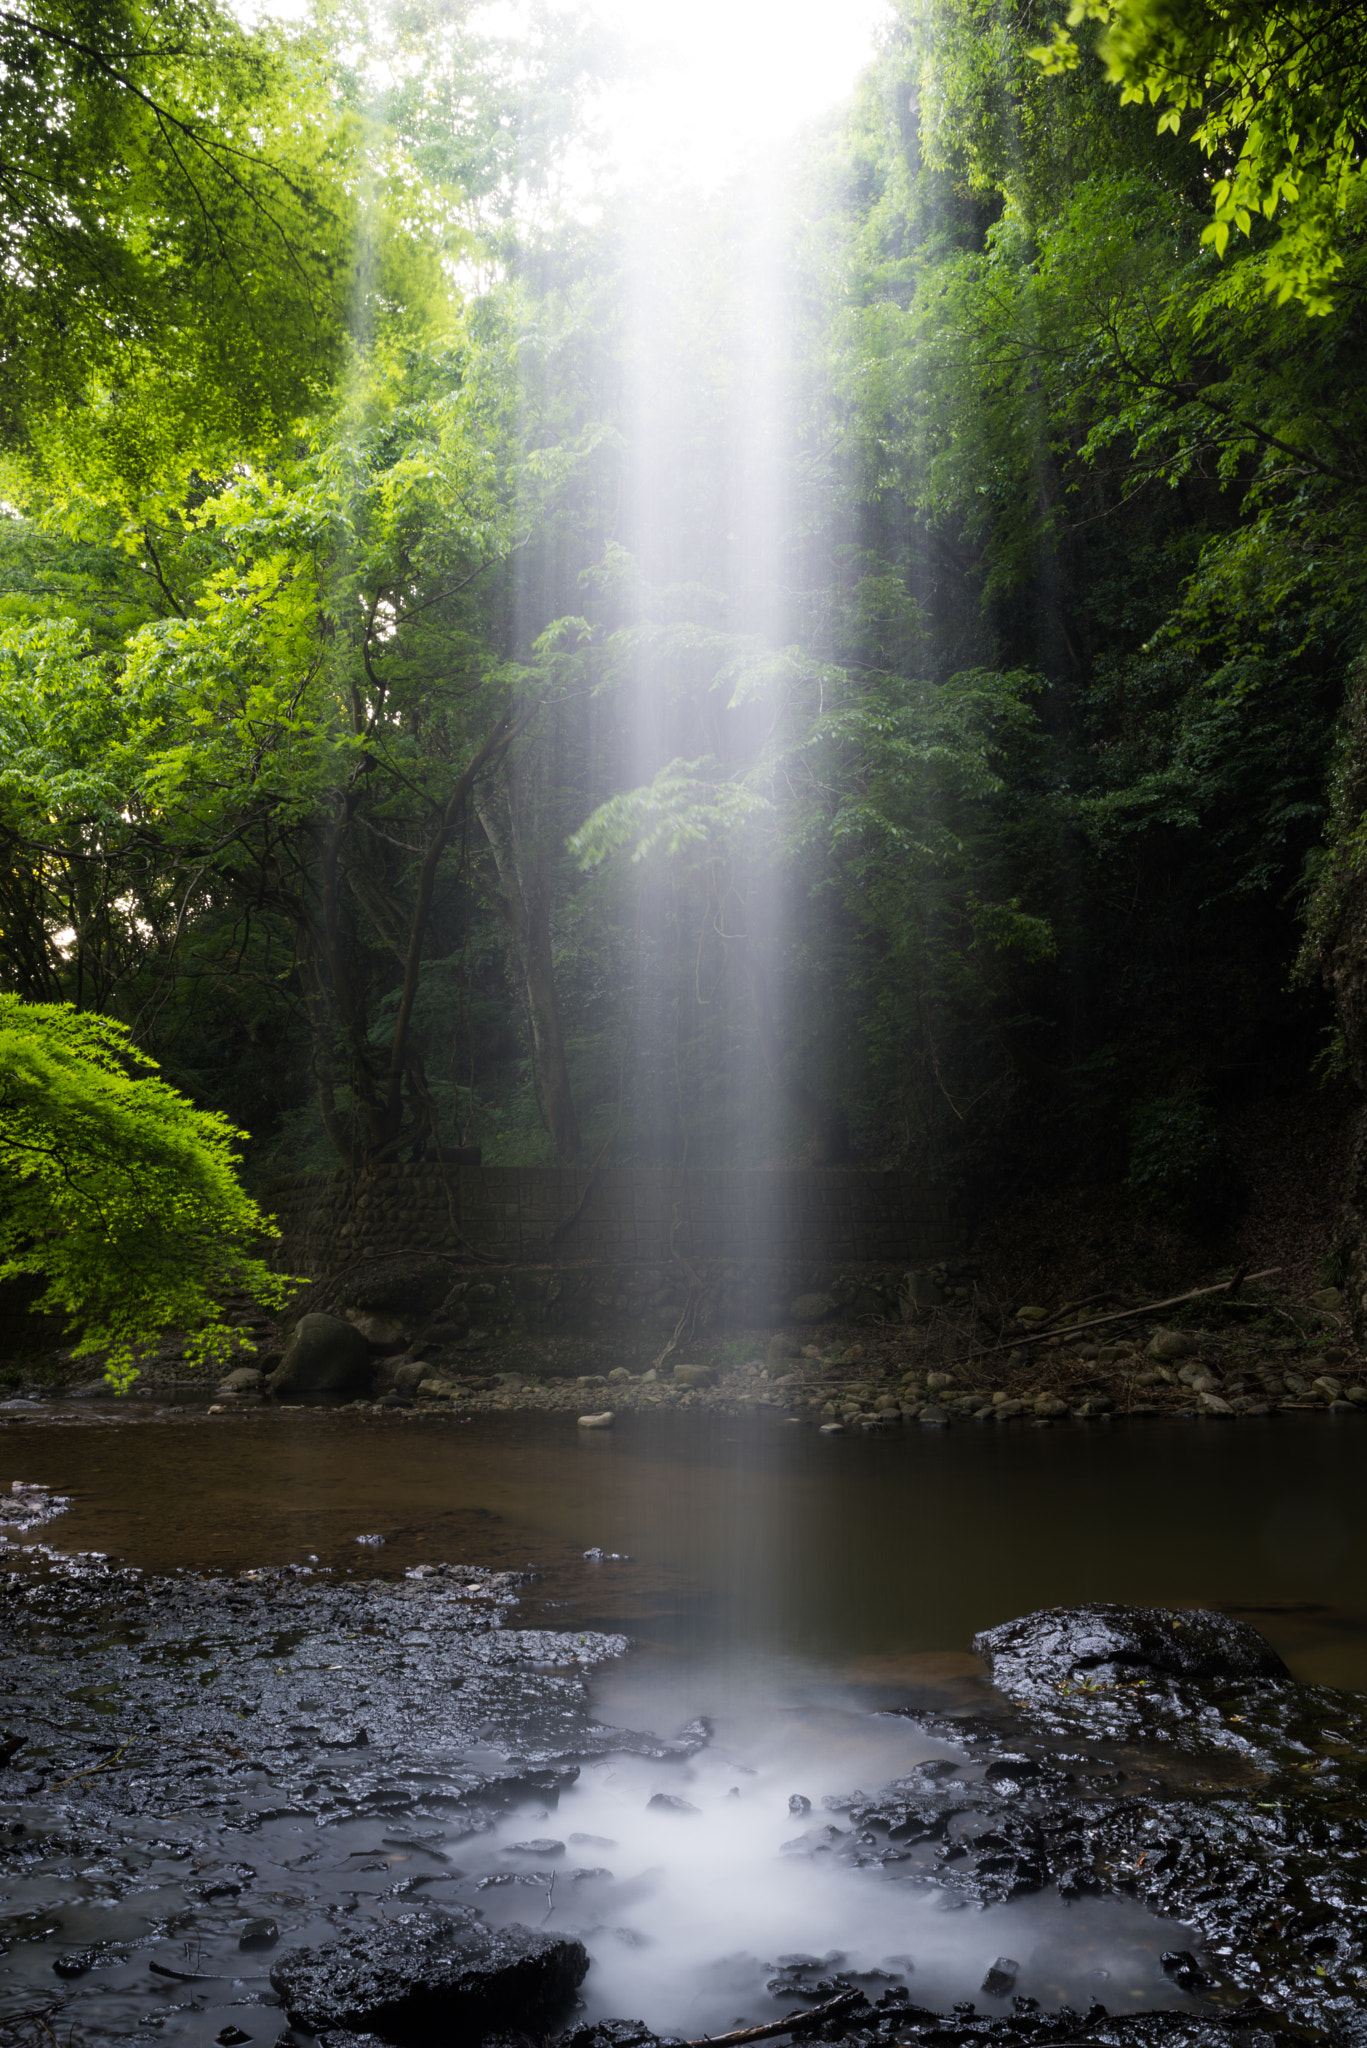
point(618, 1217)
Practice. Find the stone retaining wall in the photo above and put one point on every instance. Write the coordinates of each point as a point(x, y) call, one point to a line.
point(620, 1216)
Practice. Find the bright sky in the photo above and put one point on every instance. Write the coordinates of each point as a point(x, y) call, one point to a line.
point(718, 78)
point(714, 80)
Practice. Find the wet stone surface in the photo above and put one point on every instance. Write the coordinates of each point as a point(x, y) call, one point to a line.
point(212, 1774)
point(236, 1814)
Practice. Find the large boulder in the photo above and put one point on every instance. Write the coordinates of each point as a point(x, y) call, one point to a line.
point(425, 1977)
point(325, 1356)
point(385, 1334)
point(1105, 1644)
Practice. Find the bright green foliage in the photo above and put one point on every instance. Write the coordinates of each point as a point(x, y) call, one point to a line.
point(1275, 95)
point(174, 219)
point(119, 1194)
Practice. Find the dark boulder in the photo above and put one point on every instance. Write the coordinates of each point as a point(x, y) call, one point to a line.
point(1107, 1644)
point(425, 1977)
point(326, 1356)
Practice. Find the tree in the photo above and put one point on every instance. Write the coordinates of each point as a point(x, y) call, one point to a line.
point(117, 1193)
point(174, 216)
point(1278, 95)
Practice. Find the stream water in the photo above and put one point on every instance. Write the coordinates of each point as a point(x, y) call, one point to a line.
point(791, 1588)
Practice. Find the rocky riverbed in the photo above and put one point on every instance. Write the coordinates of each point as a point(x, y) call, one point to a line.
point(962, 1358)
point(236, 1809)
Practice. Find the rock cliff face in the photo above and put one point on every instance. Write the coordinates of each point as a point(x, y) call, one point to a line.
point(1337, 947)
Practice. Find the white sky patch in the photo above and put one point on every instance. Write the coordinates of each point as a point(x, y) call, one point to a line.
point(713, 83)
point(710, 84)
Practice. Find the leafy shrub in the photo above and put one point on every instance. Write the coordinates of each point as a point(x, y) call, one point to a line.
point(1178, 1164)
point(117, 1192)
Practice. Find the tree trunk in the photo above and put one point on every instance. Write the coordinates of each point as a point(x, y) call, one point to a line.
point(514, 823)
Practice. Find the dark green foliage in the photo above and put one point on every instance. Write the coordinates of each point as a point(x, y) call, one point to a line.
point(1178, 1166)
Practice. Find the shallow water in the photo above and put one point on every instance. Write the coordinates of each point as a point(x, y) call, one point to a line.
point(789, 1587)
point(752, 1542)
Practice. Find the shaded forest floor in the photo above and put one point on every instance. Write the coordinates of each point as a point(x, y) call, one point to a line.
point(1290, 1154)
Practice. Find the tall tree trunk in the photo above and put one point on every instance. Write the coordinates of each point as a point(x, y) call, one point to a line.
point(515, 825)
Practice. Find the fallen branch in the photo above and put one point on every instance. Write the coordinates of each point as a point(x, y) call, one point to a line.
point(1148, 1308)
point(813, 2016)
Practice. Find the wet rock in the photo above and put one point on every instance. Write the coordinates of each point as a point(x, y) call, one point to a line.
point(694, 1376)
point(816, 1841)
point(422, 1976)
point(798, 1802)
point(670, 1802)
point(325, 1356)
point(1000, 1980)
point(77, 1962)
point(614, 2034)
point(1181, 1966)
point(603, 1421)
point(259, 1934)
point(932, 1417)
point(434, 1389)
point(1103, 1642)
point(1050, 1406)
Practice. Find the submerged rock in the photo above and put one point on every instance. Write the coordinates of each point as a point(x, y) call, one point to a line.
point(428, 1976)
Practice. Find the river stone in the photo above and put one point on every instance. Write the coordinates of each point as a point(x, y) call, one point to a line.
point(1105, 1641)
point(812, 1308)
point(382, 1333)
point(245, 1379)
point(693, 1376)
point(933, 1418)
point(922, 1290)
point(404, 1375)
point(603, 1421)
point(426, 1976)
point(1049, 1405)
point(325, 1356)
point(1212, 1404)
point(1171, 1344)
point(435, 1390)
